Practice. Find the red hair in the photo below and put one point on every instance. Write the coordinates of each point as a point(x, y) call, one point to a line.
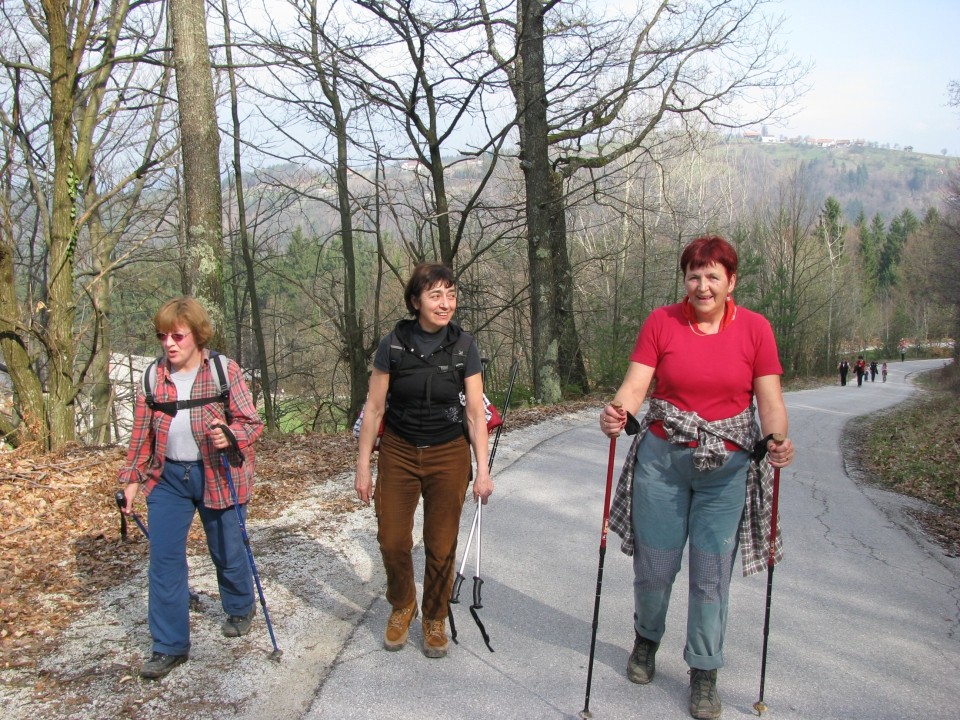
point(707, 250)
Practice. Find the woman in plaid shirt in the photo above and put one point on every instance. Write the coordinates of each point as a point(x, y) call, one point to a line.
point(173, 461)
point(689, 475)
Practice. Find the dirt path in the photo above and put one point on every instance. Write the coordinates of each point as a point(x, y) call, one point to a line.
point(321, 571)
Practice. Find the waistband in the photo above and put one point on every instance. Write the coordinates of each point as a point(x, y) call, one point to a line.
point(656, 427)
point(184, 463)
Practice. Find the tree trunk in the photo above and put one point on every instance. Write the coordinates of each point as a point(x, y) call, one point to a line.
point(570, 365)
point(540, 202)
point(26, 383)
point(61, 309)
point(557, 357)
point(200, 145)
point(101, 395)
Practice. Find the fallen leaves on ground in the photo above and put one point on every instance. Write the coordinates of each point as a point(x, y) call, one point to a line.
point(60, 541)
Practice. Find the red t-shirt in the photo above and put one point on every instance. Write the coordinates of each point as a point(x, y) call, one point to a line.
point(711, 375)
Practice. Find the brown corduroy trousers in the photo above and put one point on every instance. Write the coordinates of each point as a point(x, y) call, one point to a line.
point(405, 473)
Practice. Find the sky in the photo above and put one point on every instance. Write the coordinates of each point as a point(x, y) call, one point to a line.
point(881, 70)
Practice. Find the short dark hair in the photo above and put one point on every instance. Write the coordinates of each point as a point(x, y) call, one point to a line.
point(425, 276)
point(707, 250)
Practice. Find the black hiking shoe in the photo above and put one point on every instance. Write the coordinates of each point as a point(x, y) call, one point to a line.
point(704, 699)
point(238, 625)
point(160, 664)
point(643, 660)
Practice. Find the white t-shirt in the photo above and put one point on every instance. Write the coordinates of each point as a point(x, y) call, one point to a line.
point(181, 445)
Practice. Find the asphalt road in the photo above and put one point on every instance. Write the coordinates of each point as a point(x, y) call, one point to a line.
point(864, 619)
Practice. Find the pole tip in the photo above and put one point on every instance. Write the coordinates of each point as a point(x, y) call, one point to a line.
point(585, 714)
point(276, 655)
point(760, 707)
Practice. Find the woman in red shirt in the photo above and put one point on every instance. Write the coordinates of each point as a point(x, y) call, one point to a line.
point(689, 474)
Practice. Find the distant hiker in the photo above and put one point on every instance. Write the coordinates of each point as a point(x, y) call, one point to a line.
point(689, 473)
point(860, 368)
point(844, 368)
point(883, 371)
point(174, 461)
point(424, 451)
point(873, 371)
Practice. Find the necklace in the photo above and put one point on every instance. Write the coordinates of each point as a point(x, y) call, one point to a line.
point(698, 331)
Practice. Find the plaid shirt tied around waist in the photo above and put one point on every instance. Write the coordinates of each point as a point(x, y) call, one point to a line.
point(711, 452)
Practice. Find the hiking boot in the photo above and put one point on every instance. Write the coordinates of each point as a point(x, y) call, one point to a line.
point(643, 660)
point(435, 638)
point(160, 664)
point(704, 699)
point(398, 627)
point(238, 625)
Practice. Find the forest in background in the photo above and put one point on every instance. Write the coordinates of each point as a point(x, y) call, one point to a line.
point(353, 146)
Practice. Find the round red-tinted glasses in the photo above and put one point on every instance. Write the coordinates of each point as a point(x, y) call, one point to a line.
point(176, 337)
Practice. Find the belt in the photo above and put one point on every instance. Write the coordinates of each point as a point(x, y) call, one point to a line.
point(185, 463)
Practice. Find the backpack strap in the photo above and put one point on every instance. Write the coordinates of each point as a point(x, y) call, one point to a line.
point(149, 381)
point(172, 406)
point(459, 352)
point(224, 383)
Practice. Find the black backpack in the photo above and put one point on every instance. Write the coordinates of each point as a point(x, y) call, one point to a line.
point(171, 407)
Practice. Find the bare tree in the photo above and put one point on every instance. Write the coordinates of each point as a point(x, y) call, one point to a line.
point(250, 275)
point(76, 143)
point(617, 87)
point(393, 82)
point(436, 84)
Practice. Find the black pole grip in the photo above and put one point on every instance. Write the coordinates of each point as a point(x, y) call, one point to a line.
point(121, 503)
point(477, 584)
point(455, 595)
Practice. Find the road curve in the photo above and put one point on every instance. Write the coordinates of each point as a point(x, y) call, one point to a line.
point(864, 619)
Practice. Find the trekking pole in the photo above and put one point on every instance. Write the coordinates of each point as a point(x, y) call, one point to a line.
point(277, 652)
point(585, 713)
point(478, 584)
point(122, 503)
point(759, 705)
point(458, 581)
point(475, 528)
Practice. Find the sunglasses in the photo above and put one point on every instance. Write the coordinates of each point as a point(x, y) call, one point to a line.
point(176, 337)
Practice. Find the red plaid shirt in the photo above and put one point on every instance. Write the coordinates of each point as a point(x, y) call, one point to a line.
point(148, 442)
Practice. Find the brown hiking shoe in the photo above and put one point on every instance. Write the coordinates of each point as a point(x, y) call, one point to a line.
point(398, 627)
point(435, 638)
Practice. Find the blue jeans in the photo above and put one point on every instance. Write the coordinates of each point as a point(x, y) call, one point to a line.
point(170, 506)
point(673, 501)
